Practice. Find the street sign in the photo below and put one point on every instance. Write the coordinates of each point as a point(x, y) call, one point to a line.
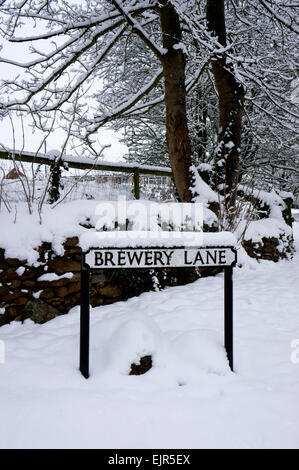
point(112, 258)
point(152, 258)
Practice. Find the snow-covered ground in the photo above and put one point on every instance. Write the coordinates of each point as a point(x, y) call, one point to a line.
point(189, 399)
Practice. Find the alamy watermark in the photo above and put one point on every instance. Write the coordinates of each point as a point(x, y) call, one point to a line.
point(2, 352)
point(295, 353)
point(146, 219)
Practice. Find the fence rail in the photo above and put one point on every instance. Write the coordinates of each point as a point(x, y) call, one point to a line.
point(88, 164)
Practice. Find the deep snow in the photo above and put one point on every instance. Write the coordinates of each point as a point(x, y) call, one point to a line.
point(189, 399)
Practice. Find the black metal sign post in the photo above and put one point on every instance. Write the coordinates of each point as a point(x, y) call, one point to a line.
point(228, 314)
point(149, 258)
point(84, 322)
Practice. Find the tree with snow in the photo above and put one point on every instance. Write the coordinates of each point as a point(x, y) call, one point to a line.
point(124, 58)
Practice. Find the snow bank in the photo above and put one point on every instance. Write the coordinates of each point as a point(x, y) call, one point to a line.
point(126, 340)
point(181, 358)
point(200, 350)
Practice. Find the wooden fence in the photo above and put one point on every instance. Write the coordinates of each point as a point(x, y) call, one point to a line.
point(89, 164)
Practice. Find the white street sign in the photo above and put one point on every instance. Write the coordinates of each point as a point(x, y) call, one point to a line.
point(112, 258)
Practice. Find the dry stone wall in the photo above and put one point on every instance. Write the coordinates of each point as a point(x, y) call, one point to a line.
point(25, 292)
point(272, 248)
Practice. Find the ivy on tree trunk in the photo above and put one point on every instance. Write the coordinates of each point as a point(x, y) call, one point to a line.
point(230, 102)
point(177, 134)
point(55, 182)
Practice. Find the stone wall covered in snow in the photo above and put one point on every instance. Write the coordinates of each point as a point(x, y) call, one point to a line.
point(52, 287)
point(272, 248)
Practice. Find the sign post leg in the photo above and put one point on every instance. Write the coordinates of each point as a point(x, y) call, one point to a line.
point(228, 313)
point(84, 323)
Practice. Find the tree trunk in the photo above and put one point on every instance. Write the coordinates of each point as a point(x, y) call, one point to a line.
point(177, 134)
point(230, 97)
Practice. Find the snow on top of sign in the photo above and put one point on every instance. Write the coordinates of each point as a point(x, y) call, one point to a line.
point(93, 239)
